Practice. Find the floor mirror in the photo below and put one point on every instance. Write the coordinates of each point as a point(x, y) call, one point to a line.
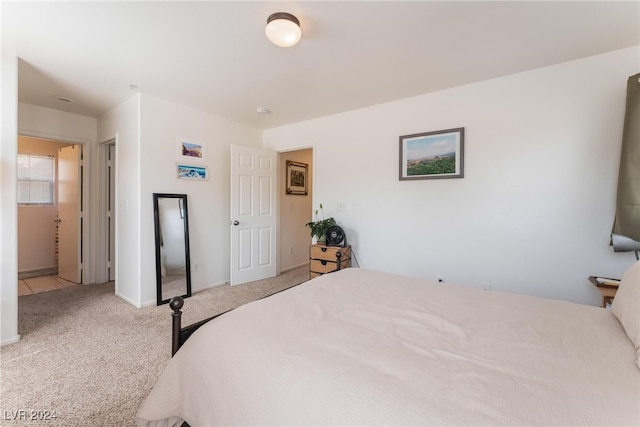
point(173, 265)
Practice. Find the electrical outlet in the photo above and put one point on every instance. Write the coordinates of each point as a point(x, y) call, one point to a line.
point(441, 279)
point(485, 286)
point(196, 266)
point(342, 206)
point(290, 250)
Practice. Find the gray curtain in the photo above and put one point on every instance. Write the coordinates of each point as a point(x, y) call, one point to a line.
point(627, 220)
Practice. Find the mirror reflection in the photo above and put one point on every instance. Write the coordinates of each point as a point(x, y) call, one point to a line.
point(173, 271)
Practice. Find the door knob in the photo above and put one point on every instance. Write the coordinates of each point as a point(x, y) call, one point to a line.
point(236, 222)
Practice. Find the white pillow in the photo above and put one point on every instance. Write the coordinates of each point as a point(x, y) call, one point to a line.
point(626, 305)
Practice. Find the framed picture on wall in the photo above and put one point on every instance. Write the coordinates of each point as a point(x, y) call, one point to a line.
point(190, 151)
point(297, 182)
point(430, 155)
point(192, 172)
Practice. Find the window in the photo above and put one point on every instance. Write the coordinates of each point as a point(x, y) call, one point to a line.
point(36, 175)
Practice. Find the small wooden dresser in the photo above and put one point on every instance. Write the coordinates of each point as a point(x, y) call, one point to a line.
point(324, 259)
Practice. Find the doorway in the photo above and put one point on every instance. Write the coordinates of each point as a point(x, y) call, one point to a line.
point(38, 216)
point(110, 212)
point(254, 190)
point(295, 211)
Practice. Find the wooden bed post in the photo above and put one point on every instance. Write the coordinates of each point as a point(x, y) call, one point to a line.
point(176, 304)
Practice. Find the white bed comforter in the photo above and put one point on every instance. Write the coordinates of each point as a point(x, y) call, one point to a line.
point(359, 347)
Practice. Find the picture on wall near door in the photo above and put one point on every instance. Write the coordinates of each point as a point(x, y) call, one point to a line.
point(429, 155)
point(190, 151)
point(192, 172)
point(297, 178)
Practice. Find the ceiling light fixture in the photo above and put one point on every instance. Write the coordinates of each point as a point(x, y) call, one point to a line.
point(283, 29)
point(262, 110)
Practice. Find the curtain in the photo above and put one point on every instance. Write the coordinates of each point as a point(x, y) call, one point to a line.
point(627, 219)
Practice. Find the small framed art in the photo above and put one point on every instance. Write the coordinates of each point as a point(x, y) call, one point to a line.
point(297, 183)
point(190, 151)
point(192, 172)
point(430, 155)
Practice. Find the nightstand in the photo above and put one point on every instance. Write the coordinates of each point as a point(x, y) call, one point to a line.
point(325, 259)
point(606, 287)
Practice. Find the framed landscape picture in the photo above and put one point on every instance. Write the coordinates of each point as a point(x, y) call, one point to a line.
point(430, 155)
point(297, 178)
point(190, 151)
point(192, 172)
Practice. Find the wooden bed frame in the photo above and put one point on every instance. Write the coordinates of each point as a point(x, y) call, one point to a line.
point(180, 335)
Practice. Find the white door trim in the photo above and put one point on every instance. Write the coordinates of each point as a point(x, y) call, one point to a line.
point(102, 187)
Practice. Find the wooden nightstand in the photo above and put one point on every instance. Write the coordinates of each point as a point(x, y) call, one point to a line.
point(607, 288)
point(324, 259)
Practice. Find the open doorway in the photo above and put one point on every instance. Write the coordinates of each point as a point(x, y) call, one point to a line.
point(110, 212)
point(39, 218)
point(295, 211)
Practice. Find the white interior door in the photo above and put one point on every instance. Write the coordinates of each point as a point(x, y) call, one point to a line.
point(253, 214)
point(69, 215)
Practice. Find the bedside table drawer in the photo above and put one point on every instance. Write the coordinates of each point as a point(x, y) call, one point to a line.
point(328, 252)
point(322, 259)
point(323, 266)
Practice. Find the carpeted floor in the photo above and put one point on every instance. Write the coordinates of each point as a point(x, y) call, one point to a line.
point(88, 358)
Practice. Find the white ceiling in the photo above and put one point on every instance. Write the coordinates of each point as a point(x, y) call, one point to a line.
point(214, 56)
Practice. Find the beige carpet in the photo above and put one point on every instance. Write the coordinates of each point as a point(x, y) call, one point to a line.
point(90, 358)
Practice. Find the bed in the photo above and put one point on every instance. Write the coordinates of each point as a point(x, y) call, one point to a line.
point(360, 347)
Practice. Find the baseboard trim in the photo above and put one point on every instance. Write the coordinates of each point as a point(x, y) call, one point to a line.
point(10, 341)
point(294, 267)
point(214, 285)
point(37, 272)
point(136, 305)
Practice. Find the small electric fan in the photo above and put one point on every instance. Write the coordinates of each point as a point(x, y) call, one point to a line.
point(336, 236)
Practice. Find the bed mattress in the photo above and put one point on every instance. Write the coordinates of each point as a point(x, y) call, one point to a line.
point(360, 347)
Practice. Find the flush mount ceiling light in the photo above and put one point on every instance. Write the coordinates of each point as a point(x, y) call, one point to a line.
point(283, 29)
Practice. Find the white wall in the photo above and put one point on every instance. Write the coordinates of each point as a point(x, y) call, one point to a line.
point(295, 211)
point(147, 130)
point(30, 120)
point(162, 124)
point(123, 124)
point(8, 206)
point(48, 123)
point(535, 208)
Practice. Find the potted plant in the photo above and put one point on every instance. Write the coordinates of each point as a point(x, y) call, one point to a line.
point(319, 226)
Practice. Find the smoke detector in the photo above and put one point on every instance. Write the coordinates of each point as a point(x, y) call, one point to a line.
point(63, 98)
